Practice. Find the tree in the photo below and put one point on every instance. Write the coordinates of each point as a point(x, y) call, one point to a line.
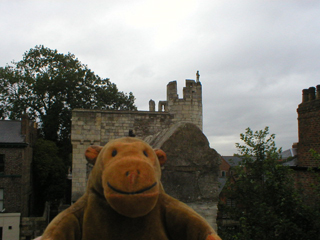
point(49, 173)
point(48, 85)
point(267, 204)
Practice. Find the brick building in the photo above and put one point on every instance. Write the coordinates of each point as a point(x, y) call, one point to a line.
point(309, 138)
point(16, 149)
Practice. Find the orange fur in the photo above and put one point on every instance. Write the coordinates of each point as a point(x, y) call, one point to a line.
point(125, 199)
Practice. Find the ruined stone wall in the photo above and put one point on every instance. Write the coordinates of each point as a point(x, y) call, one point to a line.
point(32, 227)
point(97, 127)
point(191, 171)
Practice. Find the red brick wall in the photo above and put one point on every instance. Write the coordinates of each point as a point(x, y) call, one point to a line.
point(224, 166)
point(11, 180)
point(308, 127)
point(309, 138)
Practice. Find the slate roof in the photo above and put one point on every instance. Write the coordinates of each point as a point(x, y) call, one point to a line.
point(232, 160)
point(291, 152)
point(10, 132)
point(292, 163)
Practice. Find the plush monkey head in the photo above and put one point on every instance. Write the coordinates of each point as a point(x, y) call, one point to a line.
point(127, 172)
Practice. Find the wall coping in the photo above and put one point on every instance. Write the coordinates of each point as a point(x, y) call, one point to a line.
point(10, 215)
point(120, 111)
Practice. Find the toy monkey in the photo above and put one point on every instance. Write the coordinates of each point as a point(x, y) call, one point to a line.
point(125, 200)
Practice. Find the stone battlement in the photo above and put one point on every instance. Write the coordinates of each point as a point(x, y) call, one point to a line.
point(186, 109)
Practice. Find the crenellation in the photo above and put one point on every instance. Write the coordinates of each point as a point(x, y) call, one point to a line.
point(152, 106)
point(172, 91)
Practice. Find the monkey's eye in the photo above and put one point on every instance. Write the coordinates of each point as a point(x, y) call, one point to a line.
point(145, 153)
point(114, 153)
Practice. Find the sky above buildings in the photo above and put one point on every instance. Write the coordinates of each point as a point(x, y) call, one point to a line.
point(254, 56)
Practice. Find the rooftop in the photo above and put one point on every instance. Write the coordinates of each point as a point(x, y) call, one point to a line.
point(10, 132)
point(232, 160)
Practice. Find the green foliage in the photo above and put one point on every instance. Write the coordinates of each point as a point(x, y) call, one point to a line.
point(47, 85)
point(315, 171)
point(49, 172)
point(268, 205)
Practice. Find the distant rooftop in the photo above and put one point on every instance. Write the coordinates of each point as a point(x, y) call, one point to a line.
point(290, 155)
point(10, 132)
point(232, 160)
point(291, 152)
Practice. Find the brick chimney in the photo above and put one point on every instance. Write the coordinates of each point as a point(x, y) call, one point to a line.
point(309, 126)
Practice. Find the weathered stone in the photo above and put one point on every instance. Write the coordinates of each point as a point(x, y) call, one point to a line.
point(191, 171)
point(180, 185)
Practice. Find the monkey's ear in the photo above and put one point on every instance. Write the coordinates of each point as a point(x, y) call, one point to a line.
point(92, 153)
point(162, 156)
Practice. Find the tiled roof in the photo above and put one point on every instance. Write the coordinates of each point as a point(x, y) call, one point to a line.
point(232, 160)
point(10, 132)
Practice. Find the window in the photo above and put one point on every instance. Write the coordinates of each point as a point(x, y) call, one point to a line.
point(223, 173)
point(231, 203)
point(1, 163)
point(1, 199)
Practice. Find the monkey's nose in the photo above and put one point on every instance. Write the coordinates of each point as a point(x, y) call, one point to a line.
point(132, 175)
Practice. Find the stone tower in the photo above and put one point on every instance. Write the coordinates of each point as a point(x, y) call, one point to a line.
point(185, 109)
point(189, 108)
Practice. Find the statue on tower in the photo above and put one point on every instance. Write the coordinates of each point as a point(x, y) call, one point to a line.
point(198, 76)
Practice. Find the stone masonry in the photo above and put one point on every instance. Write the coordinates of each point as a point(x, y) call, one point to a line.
point(156, 127)
point(99, 126)
point(191, 171)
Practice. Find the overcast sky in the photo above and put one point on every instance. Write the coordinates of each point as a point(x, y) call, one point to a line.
point(254, 57)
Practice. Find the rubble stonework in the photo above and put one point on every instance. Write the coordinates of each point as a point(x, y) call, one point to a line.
point(191, 172)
